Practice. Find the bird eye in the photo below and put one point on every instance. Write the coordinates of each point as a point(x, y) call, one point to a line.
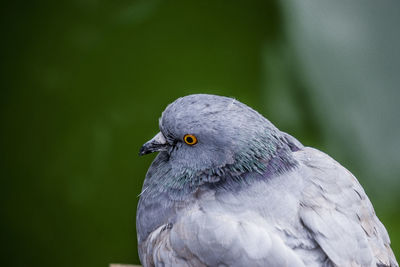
point(190, 139)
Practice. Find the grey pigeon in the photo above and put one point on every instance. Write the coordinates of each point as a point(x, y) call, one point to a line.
point(229, 189)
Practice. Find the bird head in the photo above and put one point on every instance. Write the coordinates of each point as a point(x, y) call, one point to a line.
point(208, 134)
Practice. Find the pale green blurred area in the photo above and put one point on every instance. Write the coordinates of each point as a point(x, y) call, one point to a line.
point(83, 84)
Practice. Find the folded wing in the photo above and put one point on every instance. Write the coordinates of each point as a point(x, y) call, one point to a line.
point(339, 216)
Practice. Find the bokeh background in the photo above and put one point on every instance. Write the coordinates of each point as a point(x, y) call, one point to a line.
point(83, 83)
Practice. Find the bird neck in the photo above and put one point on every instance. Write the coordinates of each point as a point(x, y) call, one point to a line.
point(262, 159)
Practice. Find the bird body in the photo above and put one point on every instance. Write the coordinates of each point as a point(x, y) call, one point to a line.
point(248, 194)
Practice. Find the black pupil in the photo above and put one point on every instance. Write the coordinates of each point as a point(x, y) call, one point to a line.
point(189, 139)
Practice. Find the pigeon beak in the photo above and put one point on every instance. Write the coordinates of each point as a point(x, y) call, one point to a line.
point(157, 143)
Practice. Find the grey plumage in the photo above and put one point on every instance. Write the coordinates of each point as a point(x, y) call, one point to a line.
point(248, 194)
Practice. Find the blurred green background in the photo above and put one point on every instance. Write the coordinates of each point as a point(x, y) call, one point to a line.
point(83, 84)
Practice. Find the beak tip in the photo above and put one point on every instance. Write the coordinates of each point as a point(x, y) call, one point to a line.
point(158, 143)
point(142, 151)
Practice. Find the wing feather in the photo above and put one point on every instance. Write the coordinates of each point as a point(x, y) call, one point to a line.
point(339, 215)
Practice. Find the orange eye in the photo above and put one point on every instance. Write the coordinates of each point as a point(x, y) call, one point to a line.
point(190, 139)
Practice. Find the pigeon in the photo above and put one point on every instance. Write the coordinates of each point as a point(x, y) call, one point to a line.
point(228, 188)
